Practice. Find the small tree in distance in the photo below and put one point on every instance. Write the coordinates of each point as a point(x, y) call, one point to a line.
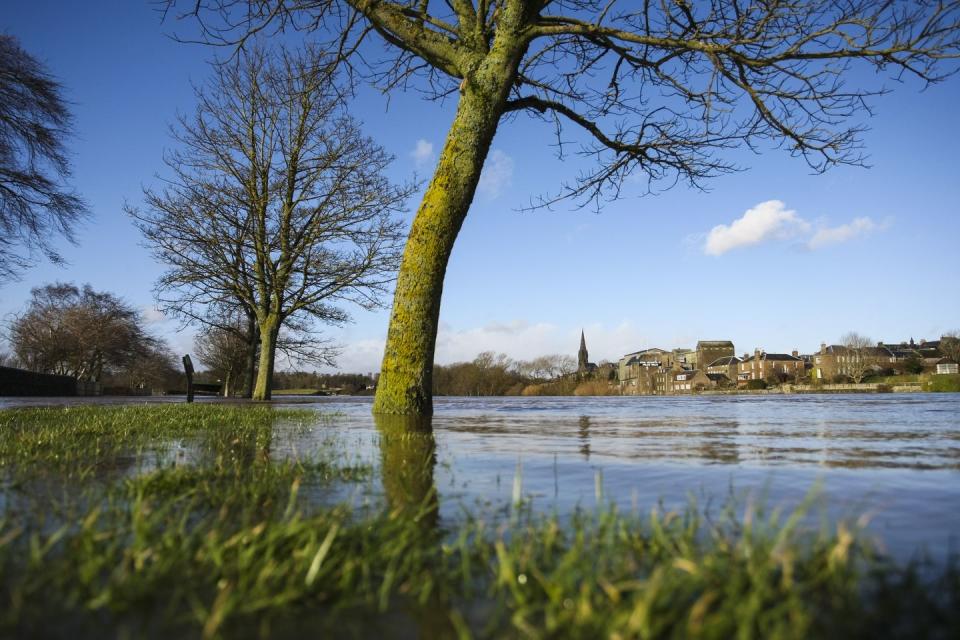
point(224, 353)
point(278, 206)
point(950, 346)
point(857, 354)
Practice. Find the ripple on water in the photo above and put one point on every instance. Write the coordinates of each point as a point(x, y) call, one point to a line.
point(896, 456)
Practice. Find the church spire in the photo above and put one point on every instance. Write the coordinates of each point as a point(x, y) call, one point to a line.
point(582, 358)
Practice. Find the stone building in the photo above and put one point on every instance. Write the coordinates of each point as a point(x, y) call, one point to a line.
point(838, 360)
point(588, 370)
point(636, 369)
point(584, 366)
point(709, 351)
point(683, 382)
point(767, 366)
point(726, 366)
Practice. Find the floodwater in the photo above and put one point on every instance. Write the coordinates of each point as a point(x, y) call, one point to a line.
point(893, 458)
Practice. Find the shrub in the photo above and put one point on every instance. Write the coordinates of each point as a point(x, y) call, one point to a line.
point(884, 388)
point(944, 383)
point(596, 388)
point(754, 385)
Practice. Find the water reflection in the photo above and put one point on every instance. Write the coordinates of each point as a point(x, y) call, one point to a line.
point(408, 455)
point(585, 436)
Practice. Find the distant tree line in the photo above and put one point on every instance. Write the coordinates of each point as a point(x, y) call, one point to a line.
point(91, 336)
point(351, 383)
point(493, 374)
point(489, 374)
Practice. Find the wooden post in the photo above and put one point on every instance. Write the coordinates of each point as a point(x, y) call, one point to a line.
point(188, 367)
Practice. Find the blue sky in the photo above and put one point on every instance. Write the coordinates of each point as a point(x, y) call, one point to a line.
point(771, 257)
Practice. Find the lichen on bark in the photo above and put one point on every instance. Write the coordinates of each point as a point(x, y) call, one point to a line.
point(406, 375)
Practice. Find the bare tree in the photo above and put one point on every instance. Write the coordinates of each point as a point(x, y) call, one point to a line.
point(80, 333)
point(950, 345)
point(655, 88)
point(226, 317)
point(857, 356)
point(34, 122)
point(549, 367)
point(224, 353)
point(278, 206)
point(155, 368)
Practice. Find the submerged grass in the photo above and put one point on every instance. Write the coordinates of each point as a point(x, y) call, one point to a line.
point(224, 547)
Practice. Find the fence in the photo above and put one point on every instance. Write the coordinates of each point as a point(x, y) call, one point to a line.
point(17, 382)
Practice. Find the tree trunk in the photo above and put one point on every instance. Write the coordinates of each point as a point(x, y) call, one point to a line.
point(253, 337)
point(269, 329)
point(405, 385)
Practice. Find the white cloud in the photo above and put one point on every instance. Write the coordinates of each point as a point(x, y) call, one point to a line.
point(842, 233)
point(769, 220)
point(519, 339)
point(361, 356)
point(151, 315)
point(497, 174)
point(422, 153)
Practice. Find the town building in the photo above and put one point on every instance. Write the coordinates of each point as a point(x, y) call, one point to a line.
point(726, 367)
point(636, 369)
point(686, 381)
point(708, 351)
point(946, 366)
point(587, 369)
point(584, 366)
point(769, 366)
point(657, 371)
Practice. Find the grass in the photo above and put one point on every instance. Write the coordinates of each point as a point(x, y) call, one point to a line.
point(227, 546)
point(943, 383)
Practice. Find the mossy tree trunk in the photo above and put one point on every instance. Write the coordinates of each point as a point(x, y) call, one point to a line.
point(269, 330)
point(406, 375)
point(253, 340)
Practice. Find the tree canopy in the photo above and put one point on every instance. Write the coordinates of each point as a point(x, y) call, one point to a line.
point(35, 204)
point(84, 334)
point(278, 205)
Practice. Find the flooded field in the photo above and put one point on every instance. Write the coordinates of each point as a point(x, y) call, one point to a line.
point(893, 458)
point(794, 517)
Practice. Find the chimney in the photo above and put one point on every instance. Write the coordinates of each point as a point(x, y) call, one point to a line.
point(795, 353)
point(756, 353)
point(823, 348)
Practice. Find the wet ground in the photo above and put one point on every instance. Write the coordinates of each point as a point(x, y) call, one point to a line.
point(893, 458)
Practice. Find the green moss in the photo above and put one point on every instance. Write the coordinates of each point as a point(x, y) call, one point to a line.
point(405, 381)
